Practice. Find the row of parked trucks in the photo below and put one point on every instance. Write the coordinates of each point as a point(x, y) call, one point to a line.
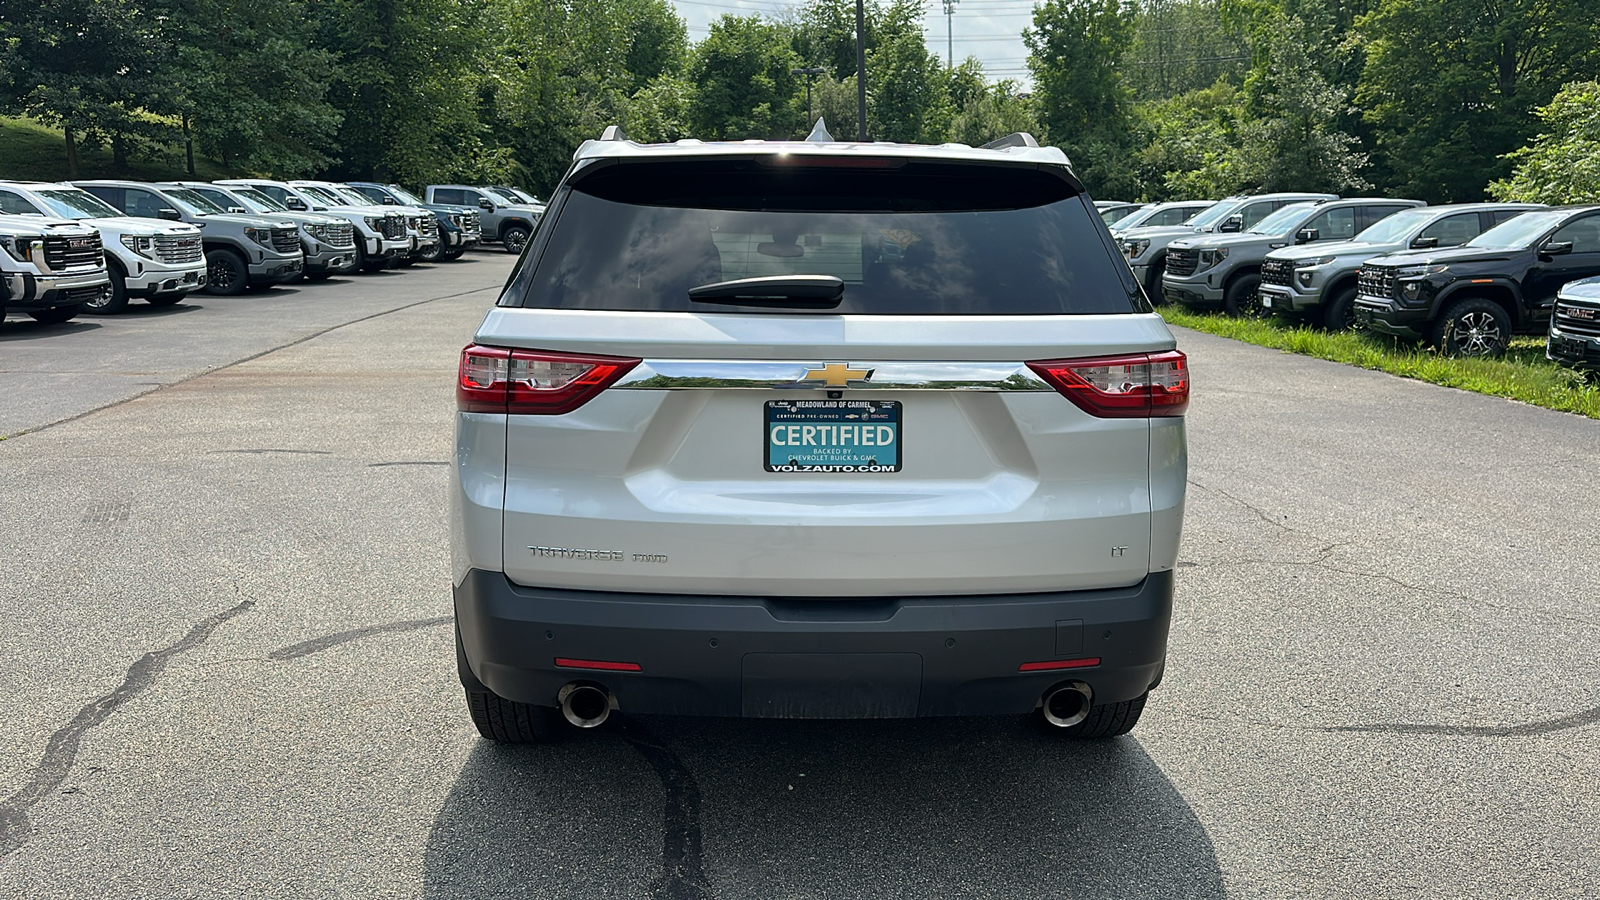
point(1463, 277)
point(93, 246)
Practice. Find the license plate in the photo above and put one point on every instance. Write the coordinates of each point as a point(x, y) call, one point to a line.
point(846, 436)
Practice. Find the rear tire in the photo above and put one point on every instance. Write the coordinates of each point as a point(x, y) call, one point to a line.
point(499, 719)
point(55, 315)
point(1104, 720)
point(226, 273)
point(1240, 298)
point(1472, 327)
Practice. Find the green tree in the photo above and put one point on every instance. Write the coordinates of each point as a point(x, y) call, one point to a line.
point(745, 86)
point(1181, 46)
point(92, 67)
point(659, 111)
point(1450, 85)
point(1561, 165)
point(1190, 145)
point(406, 86)
point(908, 92)
point(824, 31)
point(250, 84)
point(1075, 48)
point(1293, 141)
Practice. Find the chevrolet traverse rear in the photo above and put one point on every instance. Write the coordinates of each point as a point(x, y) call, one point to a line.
point(817, 430)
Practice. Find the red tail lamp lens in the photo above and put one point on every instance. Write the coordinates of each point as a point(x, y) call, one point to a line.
point(598, 664)
point(1053, 664)
point(533, 382)
point(1122, 387)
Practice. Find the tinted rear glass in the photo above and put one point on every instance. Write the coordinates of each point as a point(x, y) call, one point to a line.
point(919, 239)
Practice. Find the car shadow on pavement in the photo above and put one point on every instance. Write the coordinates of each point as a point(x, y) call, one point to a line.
point(702, 808)
point(28, 329)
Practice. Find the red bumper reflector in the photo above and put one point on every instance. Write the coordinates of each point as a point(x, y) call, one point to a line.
point(1059, 664)
point(600, 664)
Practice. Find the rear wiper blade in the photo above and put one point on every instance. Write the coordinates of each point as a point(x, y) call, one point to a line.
point(796, 291)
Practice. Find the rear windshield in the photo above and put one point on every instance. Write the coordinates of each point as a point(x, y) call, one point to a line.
point(917, 239)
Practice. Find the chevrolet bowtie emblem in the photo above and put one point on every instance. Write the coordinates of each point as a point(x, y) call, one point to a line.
point(836, 375)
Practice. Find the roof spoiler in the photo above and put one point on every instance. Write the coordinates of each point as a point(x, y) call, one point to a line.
point(1014, 139)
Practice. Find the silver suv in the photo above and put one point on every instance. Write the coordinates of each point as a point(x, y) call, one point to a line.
point(819, 430)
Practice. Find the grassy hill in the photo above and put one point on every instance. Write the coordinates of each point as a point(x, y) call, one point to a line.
point(30, 151)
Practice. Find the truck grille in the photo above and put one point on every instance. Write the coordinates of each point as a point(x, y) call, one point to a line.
point(394, 227)
point(1180, 261)
point(1584, 320)
point(69, 252)
point(1276, 271)
point(468, 223)
point(1376, 281)
point(285, 238)
point(342, 235)
point(428, 227)
point(178, 251)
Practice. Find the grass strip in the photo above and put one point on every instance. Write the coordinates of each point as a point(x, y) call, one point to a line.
point(1523, 374)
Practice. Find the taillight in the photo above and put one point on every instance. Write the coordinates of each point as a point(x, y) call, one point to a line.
point(532, 382)
point(1137, 386)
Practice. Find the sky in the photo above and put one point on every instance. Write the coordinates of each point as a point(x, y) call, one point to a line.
point(991, 30)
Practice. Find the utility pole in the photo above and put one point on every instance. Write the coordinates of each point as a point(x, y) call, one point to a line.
point(861, 71)
point(949, 33)
point(808, 72)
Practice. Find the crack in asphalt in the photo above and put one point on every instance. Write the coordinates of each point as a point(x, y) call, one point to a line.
point(317, 645)
point(276, 450)
point(1547, 726)
point(683, 875)
point(420, 462)
point(61, 751)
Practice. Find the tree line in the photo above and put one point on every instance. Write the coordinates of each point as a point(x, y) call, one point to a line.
point(1443, 100)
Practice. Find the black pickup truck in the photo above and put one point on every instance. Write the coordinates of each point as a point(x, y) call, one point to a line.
point(1469, 300)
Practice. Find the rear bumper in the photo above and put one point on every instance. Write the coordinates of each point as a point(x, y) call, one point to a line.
point(814, 658)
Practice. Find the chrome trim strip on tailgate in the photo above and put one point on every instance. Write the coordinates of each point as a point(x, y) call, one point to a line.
point(725, 374)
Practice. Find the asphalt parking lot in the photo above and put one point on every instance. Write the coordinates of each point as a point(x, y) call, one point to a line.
point(228, 662)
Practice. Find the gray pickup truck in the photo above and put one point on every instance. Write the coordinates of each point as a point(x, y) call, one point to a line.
point(328, 243)
point(509, 223)
point(1225, 269)
point(49, 268)
point(1146, 248)
point(1320, 279)
point(242, 252)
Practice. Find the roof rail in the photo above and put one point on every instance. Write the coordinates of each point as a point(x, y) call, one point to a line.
point(613, 133)
point(819, 134)
point(1014, 139)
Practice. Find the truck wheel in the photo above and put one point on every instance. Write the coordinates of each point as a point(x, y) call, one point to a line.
point(56, 314)
point(515, 238)
point(1152, 285)
point(433, 254)
point(115, 300)
point(1239, 300)
point(1475, 326)
point(499, 719)
point(1339, 313)
point(1104, 720)
point(226, 272)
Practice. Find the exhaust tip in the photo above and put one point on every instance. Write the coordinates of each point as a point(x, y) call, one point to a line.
point(1068, 704)
point(585, 705)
